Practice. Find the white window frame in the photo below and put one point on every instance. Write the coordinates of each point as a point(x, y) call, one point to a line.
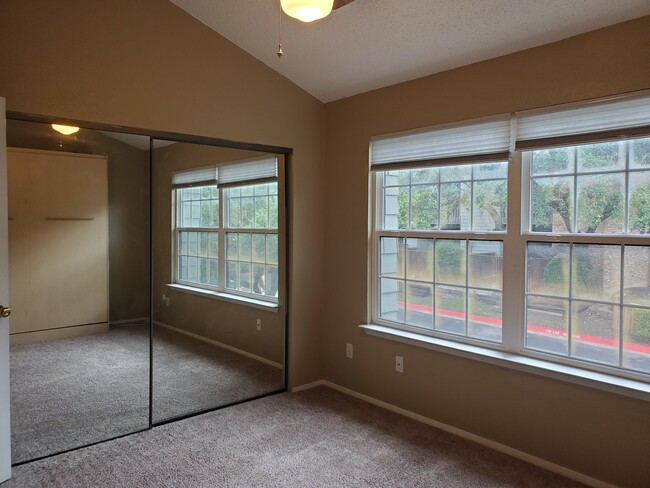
point(515, 240)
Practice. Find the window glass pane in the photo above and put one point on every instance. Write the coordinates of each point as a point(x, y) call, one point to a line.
point(259, 279)
point(192, 243)
point(186, 214)
point(396, 207)
point(206, 216)
point(552, 204)
point(601, 203)
point(547, 324)
point(233, 192)
point(424, 207)
point(636, 339)
point(640, 153)
point(594, 332)
point(455, 201)
point(203, 271)
point(485, 171)
point(213, 245)
point(247, 191)
point(486, 264)
point(259, 248)
point(182, 242)
point(490, 205)
point(639, 201)
point(214, 272)
point(450, 309)
point(231, 275)
point(601, 157)
point(392, 257)
point(203, 244)
point(271, 283)
point(196, 212)
point(182, 267)
point(261, 212)
point(244, 248)
point(596, 272)
point(419, 304)
point(234, 212)
point(192, 269)
point(548, 268)
point(244, 276)
point(426, 175)
point(393, 178)
point(214, 222)
point(272, 249)
point(231, 245)
point(485, 315)
point(391, 301)
point(419, 259)
point(247, 212)
point(456, 173)
point(553, 161)
point(261, 189)
point(273, 212)
point(450, 261)
point(637, 276)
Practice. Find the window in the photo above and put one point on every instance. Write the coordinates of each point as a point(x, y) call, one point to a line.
point(226, 228)
point(527, 233)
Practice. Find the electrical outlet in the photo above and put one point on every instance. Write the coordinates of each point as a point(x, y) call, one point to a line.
point(399, 364)
point(349, 351)
point(165, 299)
point(259, 324)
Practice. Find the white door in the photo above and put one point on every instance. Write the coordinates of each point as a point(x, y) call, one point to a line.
point(5, 442)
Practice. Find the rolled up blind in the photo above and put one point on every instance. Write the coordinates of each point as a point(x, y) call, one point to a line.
point(205, 175)
point(485, 140)
point(257, 170)
point(597, 121)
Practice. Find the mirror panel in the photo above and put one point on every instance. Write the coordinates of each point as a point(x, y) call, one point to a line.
point(218, 277)
point(80, 330)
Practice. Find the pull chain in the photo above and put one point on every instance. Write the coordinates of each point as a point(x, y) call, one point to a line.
point(280, 52)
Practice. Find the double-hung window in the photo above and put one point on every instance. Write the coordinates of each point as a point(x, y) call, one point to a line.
point(226, 228)
point(527, 233)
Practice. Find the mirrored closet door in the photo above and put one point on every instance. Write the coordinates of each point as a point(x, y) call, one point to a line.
point(79, 286)
point(147, 279)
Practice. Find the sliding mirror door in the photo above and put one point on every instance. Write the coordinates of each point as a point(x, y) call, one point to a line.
point(219, 279)
point(79, 286)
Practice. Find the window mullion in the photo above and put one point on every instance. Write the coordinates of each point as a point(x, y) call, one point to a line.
point(221, 236)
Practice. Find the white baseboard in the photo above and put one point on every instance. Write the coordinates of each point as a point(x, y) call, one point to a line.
point(138, 321)
point(510, 451)
point(220, 344)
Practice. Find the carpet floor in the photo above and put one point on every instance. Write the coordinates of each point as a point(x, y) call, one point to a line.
point(315, 438)
point(77, 391)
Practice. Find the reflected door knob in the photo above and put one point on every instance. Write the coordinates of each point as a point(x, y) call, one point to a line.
point(4, 311)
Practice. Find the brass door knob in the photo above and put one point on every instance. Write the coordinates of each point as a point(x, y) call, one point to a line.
point(5, 311)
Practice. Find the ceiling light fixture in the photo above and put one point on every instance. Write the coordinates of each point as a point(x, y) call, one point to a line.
point(307, 10)
point(66, 130)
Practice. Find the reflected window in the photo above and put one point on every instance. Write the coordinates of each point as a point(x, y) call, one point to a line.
point(226, 228)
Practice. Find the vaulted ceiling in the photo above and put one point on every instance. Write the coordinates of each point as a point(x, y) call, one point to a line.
point(370, 44)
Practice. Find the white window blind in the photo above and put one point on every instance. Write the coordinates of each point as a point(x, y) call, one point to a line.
point(205, 175)
point(486, 138)
point(586, 124)
point(249, 171)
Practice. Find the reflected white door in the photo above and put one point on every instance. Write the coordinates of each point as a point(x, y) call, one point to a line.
point(5, 441)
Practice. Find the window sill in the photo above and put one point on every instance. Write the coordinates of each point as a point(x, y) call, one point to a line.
point(227, 297)
point(601, 381)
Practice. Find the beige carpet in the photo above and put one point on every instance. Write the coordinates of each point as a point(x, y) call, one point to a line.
point(318, 437)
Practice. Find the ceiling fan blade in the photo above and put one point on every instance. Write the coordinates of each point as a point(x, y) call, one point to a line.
point(341, 3)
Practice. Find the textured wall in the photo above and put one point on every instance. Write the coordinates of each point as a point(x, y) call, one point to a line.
point(603, 435)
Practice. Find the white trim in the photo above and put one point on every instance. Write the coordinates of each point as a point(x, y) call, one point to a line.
point(221, 345)
point(510, 451)
point(592, 379)
point(228, 297)
point(138, 321)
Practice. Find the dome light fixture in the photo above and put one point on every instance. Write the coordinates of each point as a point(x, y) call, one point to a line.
point(66, 130)
point(307, 10)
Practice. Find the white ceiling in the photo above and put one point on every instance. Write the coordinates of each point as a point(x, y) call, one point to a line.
point(370, 44)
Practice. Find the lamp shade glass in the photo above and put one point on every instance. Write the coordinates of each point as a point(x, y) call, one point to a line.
point(307, 10)
point(65, 129)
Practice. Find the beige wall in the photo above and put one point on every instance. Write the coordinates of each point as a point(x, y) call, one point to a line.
point(229, 323)
point(602, 435)
point(148, 64)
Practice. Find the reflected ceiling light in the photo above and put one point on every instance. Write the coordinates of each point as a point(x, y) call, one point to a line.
point(65, 129)
point(307, 10)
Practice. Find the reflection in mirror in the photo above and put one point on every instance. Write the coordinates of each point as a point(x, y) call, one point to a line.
point(79, 330)
point(218, 277)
